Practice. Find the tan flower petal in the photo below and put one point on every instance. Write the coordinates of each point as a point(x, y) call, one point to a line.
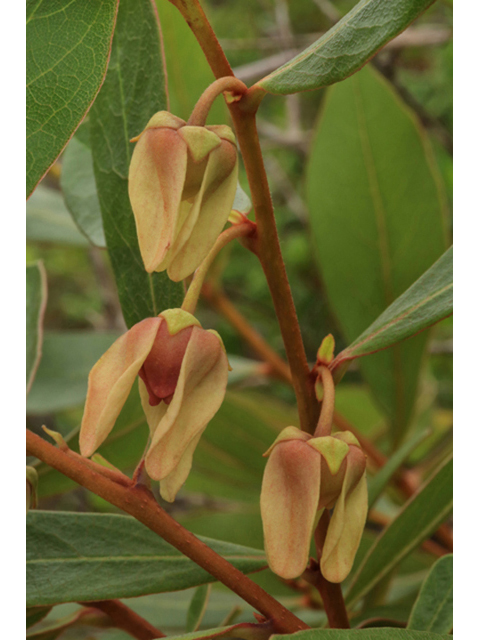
point(209, 212)
point(110, 381)
point(288, 503)
point(155, 184)
point(348, 521)
point(200, 391)
point(170, 485)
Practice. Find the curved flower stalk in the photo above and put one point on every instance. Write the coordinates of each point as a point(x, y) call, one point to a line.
point(183, 373)
point(305, 474)
point(182, 184)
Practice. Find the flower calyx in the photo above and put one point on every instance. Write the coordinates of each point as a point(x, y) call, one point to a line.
point(305, 474)
point(182, 184)
point(182, 370)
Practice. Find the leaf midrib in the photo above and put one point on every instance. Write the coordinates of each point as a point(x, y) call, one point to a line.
point(396, 319)
point(103, 559)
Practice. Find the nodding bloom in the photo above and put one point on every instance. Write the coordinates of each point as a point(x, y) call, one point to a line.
point(305, 474)
point(182, 372)
point(182, 182)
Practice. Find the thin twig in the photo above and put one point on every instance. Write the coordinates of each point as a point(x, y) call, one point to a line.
point(139, 502)
point(124, 618)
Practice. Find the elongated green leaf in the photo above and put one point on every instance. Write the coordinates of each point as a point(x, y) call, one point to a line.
point(427, 301)
point(346, 47)
point(132, 92)
point(377, 216)
point(53, 630)
point(36, 286)
point(62, 377)
point(68, 45)
point(49, 221)
point(418, 519)
point(35, 614)
point(197, 607)
point(78, 186)
point(84, 557)
point(365, 634)
point(188, 71)
point(386, 473)
point(433, 610)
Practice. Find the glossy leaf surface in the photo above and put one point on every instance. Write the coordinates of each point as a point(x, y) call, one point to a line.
point(48, 220)
point(68, 46)
point(427, 301)
point(83, 556)
point(377, 215)
point(79, 189)
point(129, 97)
point(346, 47)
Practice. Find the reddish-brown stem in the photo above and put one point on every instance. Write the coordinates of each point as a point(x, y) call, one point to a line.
point(139, 502)
point(124, 618)
point(242, 229)
point(268, 250)
point(267, 245)
point(231, 84)
point(330, 592)
point(196, 19)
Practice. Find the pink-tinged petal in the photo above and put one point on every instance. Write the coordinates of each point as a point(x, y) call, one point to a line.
point(200, 391)
point(348, 521)
point(170, 486)
point(110, 381)
point(288, 503)
point(209, 214)
point(155, 184)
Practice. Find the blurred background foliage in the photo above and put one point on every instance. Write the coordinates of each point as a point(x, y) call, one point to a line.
point(83, 316)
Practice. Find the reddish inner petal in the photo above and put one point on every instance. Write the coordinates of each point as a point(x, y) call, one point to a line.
point(161, 369)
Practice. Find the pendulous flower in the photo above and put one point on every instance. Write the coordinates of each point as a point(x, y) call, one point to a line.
point(305, 474)
point(183, 373)
point(182, 182)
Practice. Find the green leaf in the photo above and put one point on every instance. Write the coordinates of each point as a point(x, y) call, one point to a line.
point(35, 614)
point(346, 47)
point(378, 483)
point(62, 377)
point(77, 181)
point(377, 214)
point(54, 629)
point(49, 221)
point(188, 71)
point(427, 301)
point(364, 634)
point(129, 96)
point(197, 607)
point(68, 45)
point(433, 610)
point(86, 557)
point(36, 286)
point(416, 521)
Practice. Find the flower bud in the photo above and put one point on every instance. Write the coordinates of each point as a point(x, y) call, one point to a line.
point(182, 184)
point(305, 474)
point(183, 372)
